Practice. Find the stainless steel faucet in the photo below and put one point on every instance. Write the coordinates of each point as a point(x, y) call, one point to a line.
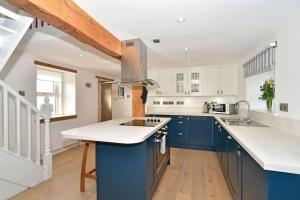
point(249, 112)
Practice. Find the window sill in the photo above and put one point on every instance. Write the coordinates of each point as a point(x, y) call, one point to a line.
point(60, 118)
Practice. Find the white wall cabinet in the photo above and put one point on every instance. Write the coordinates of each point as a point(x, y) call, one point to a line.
point(179, 83)
point(229, 81)
point(164, 79)
point(221, 81)
point(196, 81)
point(211, 81)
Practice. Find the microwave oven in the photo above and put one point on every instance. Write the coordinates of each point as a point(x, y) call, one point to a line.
point(225, 108)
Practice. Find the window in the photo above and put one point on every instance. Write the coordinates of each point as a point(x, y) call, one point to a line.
point(59, 86)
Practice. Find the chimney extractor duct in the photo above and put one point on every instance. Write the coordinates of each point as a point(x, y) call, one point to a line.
point(134, 64)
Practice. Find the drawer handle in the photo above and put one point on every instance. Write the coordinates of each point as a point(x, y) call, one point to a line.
point(216, 123)
point(229, 137)
point(180, 133)
point(238, 153)
point(180, 122)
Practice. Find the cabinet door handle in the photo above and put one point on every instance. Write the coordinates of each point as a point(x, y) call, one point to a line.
point(180, 122)
point(216, 123)
point(180, 133)
point(189, 92)
point(185, 92)
point(238, 153)
point(221, 91)
point(229, 137)
point(218, 92)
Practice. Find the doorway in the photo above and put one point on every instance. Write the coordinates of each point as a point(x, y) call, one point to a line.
point(104, 99)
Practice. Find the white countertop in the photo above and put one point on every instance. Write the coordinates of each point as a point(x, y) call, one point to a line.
point(112, 132)
point(273, 150)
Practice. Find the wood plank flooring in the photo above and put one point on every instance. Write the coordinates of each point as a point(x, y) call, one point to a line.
point(192, 175)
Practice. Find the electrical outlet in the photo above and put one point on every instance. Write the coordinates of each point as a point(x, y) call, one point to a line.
point(284, 107)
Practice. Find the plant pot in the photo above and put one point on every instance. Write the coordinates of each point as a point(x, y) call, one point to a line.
point(269, 104)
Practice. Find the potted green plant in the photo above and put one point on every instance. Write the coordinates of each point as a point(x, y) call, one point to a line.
point(268, 89)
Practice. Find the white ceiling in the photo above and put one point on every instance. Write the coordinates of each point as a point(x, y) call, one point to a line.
point(215, 31)
point(51, 44)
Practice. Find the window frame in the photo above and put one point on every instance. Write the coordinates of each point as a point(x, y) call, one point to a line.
point(58, 91)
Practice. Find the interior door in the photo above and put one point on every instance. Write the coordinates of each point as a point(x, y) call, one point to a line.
point(106, 98)
point(195, 82)
point(180, 83)
point(229, 80)
point(99, 101)
point(211, 81)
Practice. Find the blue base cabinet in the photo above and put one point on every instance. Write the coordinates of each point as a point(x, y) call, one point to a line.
point(245, 178)
point(200, 132)
point(178, 131)
point(260, 184)
point(127, 171)
point(191, 132)
point(234, 170)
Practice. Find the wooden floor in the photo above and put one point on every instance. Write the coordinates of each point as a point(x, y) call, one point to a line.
point(192, 175)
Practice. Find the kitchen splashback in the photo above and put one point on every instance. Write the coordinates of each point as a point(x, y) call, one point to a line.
point(183, 104)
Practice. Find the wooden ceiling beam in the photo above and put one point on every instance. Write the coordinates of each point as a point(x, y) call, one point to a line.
point(70, 18)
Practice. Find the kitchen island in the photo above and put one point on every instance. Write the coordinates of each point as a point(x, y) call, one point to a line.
point(131, 155)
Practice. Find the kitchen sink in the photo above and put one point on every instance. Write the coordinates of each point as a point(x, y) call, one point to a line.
point(241, 122)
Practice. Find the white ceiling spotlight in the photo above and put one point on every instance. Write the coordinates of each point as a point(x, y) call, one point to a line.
point(80, 55)
point(186, 48)
point(180, 19)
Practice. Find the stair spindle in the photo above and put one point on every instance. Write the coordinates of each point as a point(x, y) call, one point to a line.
point(5, 119)
point(28, 133)
point(18, 125)
point(38, 140)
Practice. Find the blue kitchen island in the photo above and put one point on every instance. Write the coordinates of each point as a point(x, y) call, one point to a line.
point(131, 155)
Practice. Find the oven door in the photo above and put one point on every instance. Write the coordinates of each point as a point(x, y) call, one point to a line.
point(161, 159)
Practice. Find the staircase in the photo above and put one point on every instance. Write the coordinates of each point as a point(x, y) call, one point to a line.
point(25, 156)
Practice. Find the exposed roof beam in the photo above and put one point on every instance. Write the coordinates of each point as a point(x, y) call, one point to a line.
point(70, 18)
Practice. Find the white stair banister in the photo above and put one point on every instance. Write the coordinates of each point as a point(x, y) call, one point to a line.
point(45, 112)
point(18, 125)
point(5, 118)
point(38, 140)
point(29, 133)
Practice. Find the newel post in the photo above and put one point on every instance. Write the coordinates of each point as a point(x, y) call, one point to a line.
point(46, 111)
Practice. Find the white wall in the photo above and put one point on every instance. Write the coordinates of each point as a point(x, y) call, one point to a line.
point(287, 68)
point(121, 107)
point(20, 74)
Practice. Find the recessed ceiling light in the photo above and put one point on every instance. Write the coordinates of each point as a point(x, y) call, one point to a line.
point(180, 19)
point(156, 40)
point(186, 48)
point(80, 55)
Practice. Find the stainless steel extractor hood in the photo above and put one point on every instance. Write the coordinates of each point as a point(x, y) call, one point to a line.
point(134, 64)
